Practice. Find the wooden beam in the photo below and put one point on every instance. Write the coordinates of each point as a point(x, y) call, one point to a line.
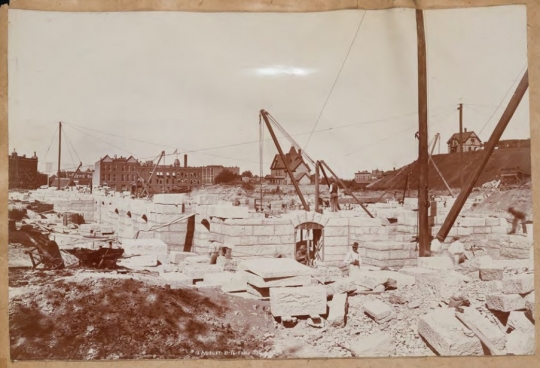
point(488, 150)
point(423, 154)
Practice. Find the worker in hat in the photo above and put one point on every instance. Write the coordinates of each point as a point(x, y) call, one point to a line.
point(302, 254)
point(353, 260)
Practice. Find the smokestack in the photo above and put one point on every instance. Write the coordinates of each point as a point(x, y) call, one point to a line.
point(185, 160)
point(465, 130)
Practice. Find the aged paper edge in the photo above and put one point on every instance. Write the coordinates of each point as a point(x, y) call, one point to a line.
point(533, 27)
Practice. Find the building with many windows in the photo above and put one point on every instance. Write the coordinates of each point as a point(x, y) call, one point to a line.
point(210, 172)
point(127, 173)
point(23, 173)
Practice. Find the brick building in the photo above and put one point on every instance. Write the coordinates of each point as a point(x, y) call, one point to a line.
point(124, 173)
point(23, 173)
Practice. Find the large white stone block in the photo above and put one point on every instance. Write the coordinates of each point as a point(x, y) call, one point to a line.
point(298, 301)
point(275, 267)
point(445, 333)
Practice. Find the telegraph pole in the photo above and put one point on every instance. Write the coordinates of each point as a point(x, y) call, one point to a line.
point(460, 108)
point(59, 150)
point(423, 154)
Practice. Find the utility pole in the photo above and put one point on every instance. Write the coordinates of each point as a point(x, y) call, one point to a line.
point(486, 154)
point(423, 155)
point(460, 108)
point(317, 195)
point(59, 150)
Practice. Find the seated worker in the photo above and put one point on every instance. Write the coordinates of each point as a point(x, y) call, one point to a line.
point(302, 254)
point(353, 260)
point(518, 217)
point(457, 251)
point(214, 250)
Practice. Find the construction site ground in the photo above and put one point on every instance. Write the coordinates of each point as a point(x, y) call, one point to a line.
point(83, 314)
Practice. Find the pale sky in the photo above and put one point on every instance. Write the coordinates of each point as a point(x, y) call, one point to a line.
point(142, 82)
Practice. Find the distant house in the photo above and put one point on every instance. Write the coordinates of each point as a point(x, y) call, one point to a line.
point(361, 176)
point(278, 172)
point(471, 142)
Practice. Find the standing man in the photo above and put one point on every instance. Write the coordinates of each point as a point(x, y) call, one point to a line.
point(353, 260)
point(518, 217)
point(334, 205)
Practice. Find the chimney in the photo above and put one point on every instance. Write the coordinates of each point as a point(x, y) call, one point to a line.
point(299, 151)
point(185, 160)
point(465, 130)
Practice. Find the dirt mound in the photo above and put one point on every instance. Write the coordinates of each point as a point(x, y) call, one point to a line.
point(450, 167)
point(499, 202)
point(52, 317)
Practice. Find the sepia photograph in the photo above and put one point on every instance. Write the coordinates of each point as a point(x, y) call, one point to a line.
point(263, 185)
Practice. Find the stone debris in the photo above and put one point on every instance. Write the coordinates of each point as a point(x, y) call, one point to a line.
point(327, 274)
point(179, 257)
point(298, 301)
point(414, 304)
point(436, 263)
point(491, 273)
point(447, 335)
point(443, 284)
point(517, 320)
point(338, 310)
point(375, 345)
point(485, 327)
point(520, 343)
point(345, 285)
point(529, 305)
point(369, 279)
point(378, 310)
point(505, 302)
point(519, 284)
point(397, 299)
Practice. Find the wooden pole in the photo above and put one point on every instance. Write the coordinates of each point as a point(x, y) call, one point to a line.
point(460, 108)
point(317, 186)
point(423, 155)
point(488, 150)
point(347, 189)
point(406, 187)
point(436, 168)
point(59, 150)
point(280, 151)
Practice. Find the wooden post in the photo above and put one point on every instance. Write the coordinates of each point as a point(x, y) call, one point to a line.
point(406, 187)
point(293, 180)
point(488, 150)
point(317, 209)
point(423, 155)
point(59, 150)
point(461, 163)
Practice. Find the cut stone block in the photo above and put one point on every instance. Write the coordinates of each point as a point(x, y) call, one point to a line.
point(176, 279)
point(495, 286)
point(446, 334)
point(505, 302)
point(520, 343)
point(275, 267)
point(197, 259)
point(345, 285)
point(338, 310)
point(198, 271)
point(519, 321)
point(401, 278)
point(169, 198)
point(437, 263)
point(519, 284)
point(139, 261)
point(178, 257)
point(298, 301)
point(377, 309)
point(376, 345)
point(228, 264)
point(259, 292)
point(443, 284)
point(327, 274)
point(237, 284)
point(218, 278)
point(488, 329)
point(490, 274)
point(145, 247)
point(260, 282)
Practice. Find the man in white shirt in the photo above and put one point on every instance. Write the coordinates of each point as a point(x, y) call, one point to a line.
point(353, 260)
point(457, 250)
